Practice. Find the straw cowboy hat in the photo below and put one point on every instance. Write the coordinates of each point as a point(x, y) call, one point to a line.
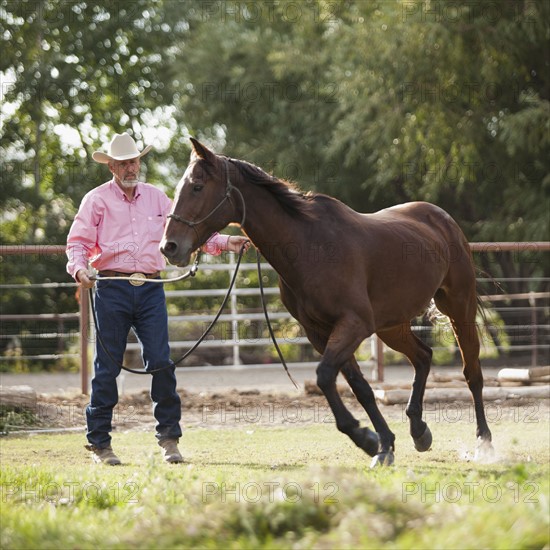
point(122, 147)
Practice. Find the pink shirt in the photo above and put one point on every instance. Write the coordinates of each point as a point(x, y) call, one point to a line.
point(114, 233)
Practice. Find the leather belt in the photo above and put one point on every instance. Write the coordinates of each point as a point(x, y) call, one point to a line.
point(109, 273)
point(136, 279)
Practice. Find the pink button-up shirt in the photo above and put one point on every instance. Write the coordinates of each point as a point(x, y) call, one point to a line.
point(114, 233)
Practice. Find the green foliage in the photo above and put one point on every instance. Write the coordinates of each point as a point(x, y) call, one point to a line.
point(374, 102)
point(16, 418)
point(389, 103)
point(72, 73)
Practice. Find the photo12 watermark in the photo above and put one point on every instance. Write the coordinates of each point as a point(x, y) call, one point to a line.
point(270, 491)
point(271, 11)
point(265, 413)
point(488, 12)
point(455, 412)
point(470, 492)
point(69, 492)
point(268, 92)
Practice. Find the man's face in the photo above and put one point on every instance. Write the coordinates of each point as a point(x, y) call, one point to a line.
point(126, 172)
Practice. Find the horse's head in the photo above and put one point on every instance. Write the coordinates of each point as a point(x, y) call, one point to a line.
point(202, 205)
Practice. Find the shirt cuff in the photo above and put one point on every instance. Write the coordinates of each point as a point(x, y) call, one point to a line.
point(216, 244)
point(73, 271)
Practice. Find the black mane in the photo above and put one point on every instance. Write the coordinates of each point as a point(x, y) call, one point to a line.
point(289, 196)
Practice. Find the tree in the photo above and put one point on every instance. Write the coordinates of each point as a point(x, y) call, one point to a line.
point(375, 103)
point(393, 101)
point(72, 73)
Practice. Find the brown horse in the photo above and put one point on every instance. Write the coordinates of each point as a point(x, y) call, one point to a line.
point(344, 276)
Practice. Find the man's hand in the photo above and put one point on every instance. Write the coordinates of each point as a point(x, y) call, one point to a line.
point(83, 278)
point(235, 242)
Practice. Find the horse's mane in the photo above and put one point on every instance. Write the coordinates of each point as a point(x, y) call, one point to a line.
point(289, 195)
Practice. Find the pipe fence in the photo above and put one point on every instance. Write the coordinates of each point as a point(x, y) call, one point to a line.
point(517, 322)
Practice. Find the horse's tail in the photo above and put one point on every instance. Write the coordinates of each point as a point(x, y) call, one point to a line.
point(434, 315)
point(482, 308)
point(437, 317)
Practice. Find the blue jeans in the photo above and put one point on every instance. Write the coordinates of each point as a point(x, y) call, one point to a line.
point(120, 307)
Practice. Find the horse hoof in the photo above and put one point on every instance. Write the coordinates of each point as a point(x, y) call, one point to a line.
point(367, 440)
point(484, 450)
point(424, 442)
point(382, 459)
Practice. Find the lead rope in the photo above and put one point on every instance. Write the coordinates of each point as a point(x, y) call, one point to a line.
point(191, 273)
point(271, 333)
point(133, 280)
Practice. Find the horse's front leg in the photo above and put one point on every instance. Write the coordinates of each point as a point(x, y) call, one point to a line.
point(364, 394)
point(341, 344)
point(345, 422)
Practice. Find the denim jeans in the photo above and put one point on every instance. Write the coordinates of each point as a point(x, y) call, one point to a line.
point(120, 307)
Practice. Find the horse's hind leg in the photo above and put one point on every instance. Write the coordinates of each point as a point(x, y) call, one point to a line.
point(419, 354)
point(364, 394)
point(461, 309)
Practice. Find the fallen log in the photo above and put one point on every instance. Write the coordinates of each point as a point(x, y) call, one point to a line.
point(458, 378)
point(18, 397)
point(447, 395)
point(524, 375)
point(440, 377)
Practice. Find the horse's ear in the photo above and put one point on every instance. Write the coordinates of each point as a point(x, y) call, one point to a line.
point(202, 151)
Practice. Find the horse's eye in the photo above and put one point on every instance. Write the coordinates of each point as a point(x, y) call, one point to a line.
point(197, 187)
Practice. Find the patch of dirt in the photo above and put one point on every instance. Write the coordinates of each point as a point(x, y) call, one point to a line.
point(212, 410)
point(248, 408)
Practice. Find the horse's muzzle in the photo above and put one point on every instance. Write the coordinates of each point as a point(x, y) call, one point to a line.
point(174, 253)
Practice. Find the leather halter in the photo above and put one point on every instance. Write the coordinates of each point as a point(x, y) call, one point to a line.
point(228, 188)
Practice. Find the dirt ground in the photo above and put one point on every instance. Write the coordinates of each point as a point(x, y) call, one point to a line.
point(238, 397)
point(247, 408)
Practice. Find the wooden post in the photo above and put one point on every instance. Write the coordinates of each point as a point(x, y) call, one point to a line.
point(84, 322)
point(234, 311)
point(379, 359)
point(377, 350)
point(534, 335)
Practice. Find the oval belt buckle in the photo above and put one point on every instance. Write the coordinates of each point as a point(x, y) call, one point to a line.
point(136, 279)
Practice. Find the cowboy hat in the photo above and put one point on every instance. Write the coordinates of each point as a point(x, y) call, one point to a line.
point(122, 147)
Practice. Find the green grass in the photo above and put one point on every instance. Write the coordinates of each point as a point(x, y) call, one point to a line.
point(15, 418)
point(278, 487)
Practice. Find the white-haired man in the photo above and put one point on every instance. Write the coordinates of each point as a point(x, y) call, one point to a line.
point(117, 230)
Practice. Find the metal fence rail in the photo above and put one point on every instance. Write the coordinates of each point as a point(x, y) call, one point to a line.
point(533, 336)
